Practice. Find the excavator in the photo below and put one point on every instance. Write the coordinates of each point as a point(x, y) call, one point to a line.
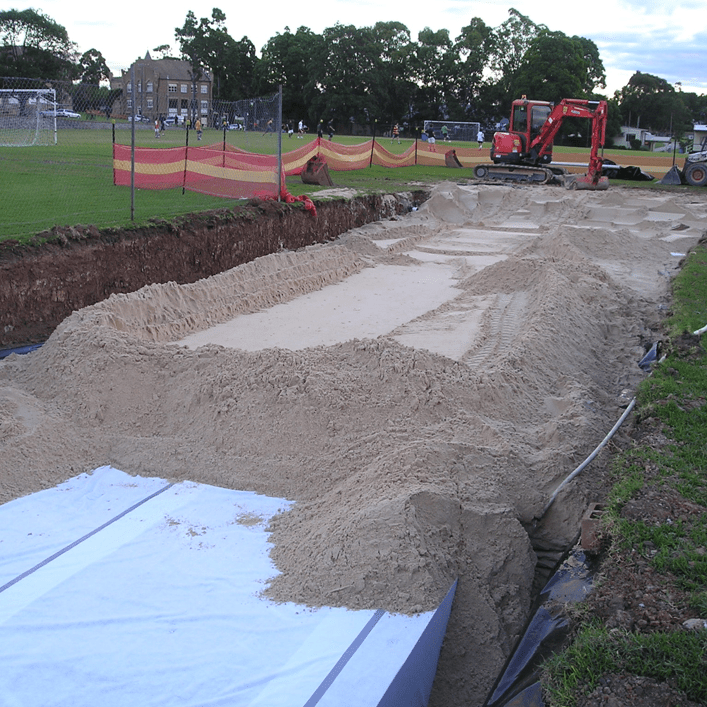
point(523, 153)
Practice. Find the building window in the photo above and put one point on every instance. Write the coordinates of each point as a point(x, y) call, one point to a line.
point(204, 107)
point(185, 88)
point(130, 102)
point(172, 88)
point(204, 88)
point(149, 103)
point(150, 87)
point(173, 104)
point(185, 104)
point(139, 86)
point(130, 87)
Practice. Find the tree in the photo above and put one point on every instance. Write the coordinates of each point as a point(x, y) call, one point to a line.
point(208, 46)
point(391, 82)
point(437, 72)
point(93, 67)
point(237, 77)
point(164, 51)
point(507, 46)
point(613, 123)
point(346, 62)
point(473, 46)
point(556, 66)
point(35, 46)
point(290, 60)
point(595, 73)
point(696, 105)
point(650, 102)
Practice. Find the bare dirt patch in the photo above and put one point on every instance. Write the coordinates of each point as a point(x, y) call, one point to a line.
point(421, 438)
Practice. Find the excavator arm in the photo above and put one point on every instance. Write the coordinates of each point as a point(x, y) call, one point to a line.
point(596, 111)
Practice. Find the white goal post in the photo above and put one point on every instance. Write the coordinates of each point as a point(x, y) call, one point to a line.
point(27, 117)
point(453, 129)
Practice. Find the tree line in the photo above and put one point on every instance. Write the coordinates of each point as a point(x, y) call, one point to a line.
point(377, 73)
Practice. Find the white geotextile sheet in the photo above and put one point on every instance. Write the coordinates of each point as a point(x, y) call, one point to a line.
point(161, 605)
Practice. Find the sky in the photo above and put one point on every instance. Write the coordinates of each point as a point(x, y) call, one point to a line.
point(666, 38)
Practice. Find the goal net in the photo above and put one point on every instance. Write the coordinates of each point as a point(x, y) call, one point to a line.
point(27, 117)
point(453, 130)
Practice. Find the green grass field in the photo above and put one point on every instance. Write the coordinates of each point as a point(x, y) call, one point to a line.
point(71, 183)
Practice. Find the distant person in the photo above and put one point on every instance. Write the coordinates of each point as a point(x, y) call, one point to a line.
point(268, 127)
point(480, 139)
point(445, 133)
point(157, 127)
point(330, 130)
point(396, 134)
point(197, 126)
point(320, 129)
point(290, 131)
point(301, 129)
point(431, 139)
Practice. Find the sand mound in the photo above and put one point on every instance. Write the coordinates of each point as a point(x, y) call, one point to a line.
point(419, 388)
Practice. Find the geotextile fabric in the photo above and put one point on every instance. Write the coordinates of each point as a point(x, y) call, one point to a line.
point(121, 590)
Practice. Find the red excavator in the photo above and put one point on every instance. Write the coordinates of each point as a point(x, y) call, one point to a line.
point(524, 152)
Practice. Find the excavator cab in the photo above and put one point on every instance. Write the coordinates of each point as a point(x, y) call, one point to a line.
point(527, 119)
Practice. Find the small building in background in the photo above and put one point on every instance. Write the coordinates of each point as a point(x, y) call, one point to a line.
point(644, 138)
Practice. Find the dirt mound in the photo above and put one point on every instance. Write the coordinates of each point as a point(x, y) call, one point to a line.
point(449, 370)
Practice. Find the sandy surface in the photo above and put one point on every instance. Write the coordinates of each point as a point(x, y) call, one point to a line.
point(419, 388)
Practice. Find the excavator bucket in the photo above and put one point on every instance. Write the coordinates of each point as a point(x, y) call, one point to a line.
point(585, 182)
point(451, 159)
point(672, 176)
point(316, 171)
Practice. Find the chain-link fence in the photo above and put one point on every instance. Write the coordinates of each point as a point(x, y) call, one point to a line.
point(57, 143)
point(56, 149)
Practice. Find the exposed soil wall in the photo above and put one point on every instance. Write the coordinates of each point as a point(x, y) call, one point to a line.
point(40, 285)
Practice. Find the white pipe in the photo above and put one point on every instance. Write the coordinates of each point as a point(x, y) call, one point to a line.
point(700, 331)
point(601, 446)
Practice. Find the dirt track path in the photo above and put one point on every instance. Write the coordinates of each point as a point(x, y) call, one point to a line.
point(418, 387)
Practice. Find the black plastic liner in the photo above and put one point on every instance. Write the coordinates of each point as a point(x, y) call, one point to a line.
point(546, 632)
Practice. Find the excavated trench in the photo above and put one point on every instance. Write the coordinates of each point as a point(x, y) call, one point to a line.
point(419, 382)
point(72, 267)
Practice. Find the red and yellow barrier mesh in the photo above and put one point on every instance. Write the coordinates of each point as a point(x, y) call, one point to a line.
point(236, 174)
point(229, 174)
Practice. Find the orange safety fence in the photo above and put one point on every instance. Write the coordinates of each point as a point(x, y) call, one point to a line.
point(233, 173)
point(220, 173)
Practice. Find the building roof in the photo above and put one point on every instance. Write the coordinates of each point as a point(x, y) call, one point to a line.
point(168, 68)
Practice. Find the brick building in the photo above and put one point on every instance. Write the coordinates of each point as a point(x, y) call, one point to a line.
point(164, 88)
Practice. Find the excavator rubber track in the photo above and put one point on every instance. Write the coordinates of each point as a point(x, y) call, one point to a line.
point(518, 173)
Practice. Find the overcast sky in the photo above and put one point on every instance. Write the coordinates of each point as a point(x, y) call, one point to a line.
point(667, 38)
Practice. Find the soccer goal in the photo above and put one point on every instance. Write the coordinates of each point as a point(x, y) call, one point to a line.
point(27, 117)
point(453, 130)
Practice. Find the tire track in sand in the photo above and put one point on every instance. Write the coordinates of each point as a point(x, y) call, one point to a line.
point(500, 327)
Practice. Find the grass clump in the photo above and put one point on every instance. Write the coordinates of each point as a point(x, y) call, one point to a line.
point(595, 651)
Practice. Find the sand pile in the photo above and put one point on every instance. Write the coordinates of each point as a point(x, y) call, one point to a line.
point(419, 388)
